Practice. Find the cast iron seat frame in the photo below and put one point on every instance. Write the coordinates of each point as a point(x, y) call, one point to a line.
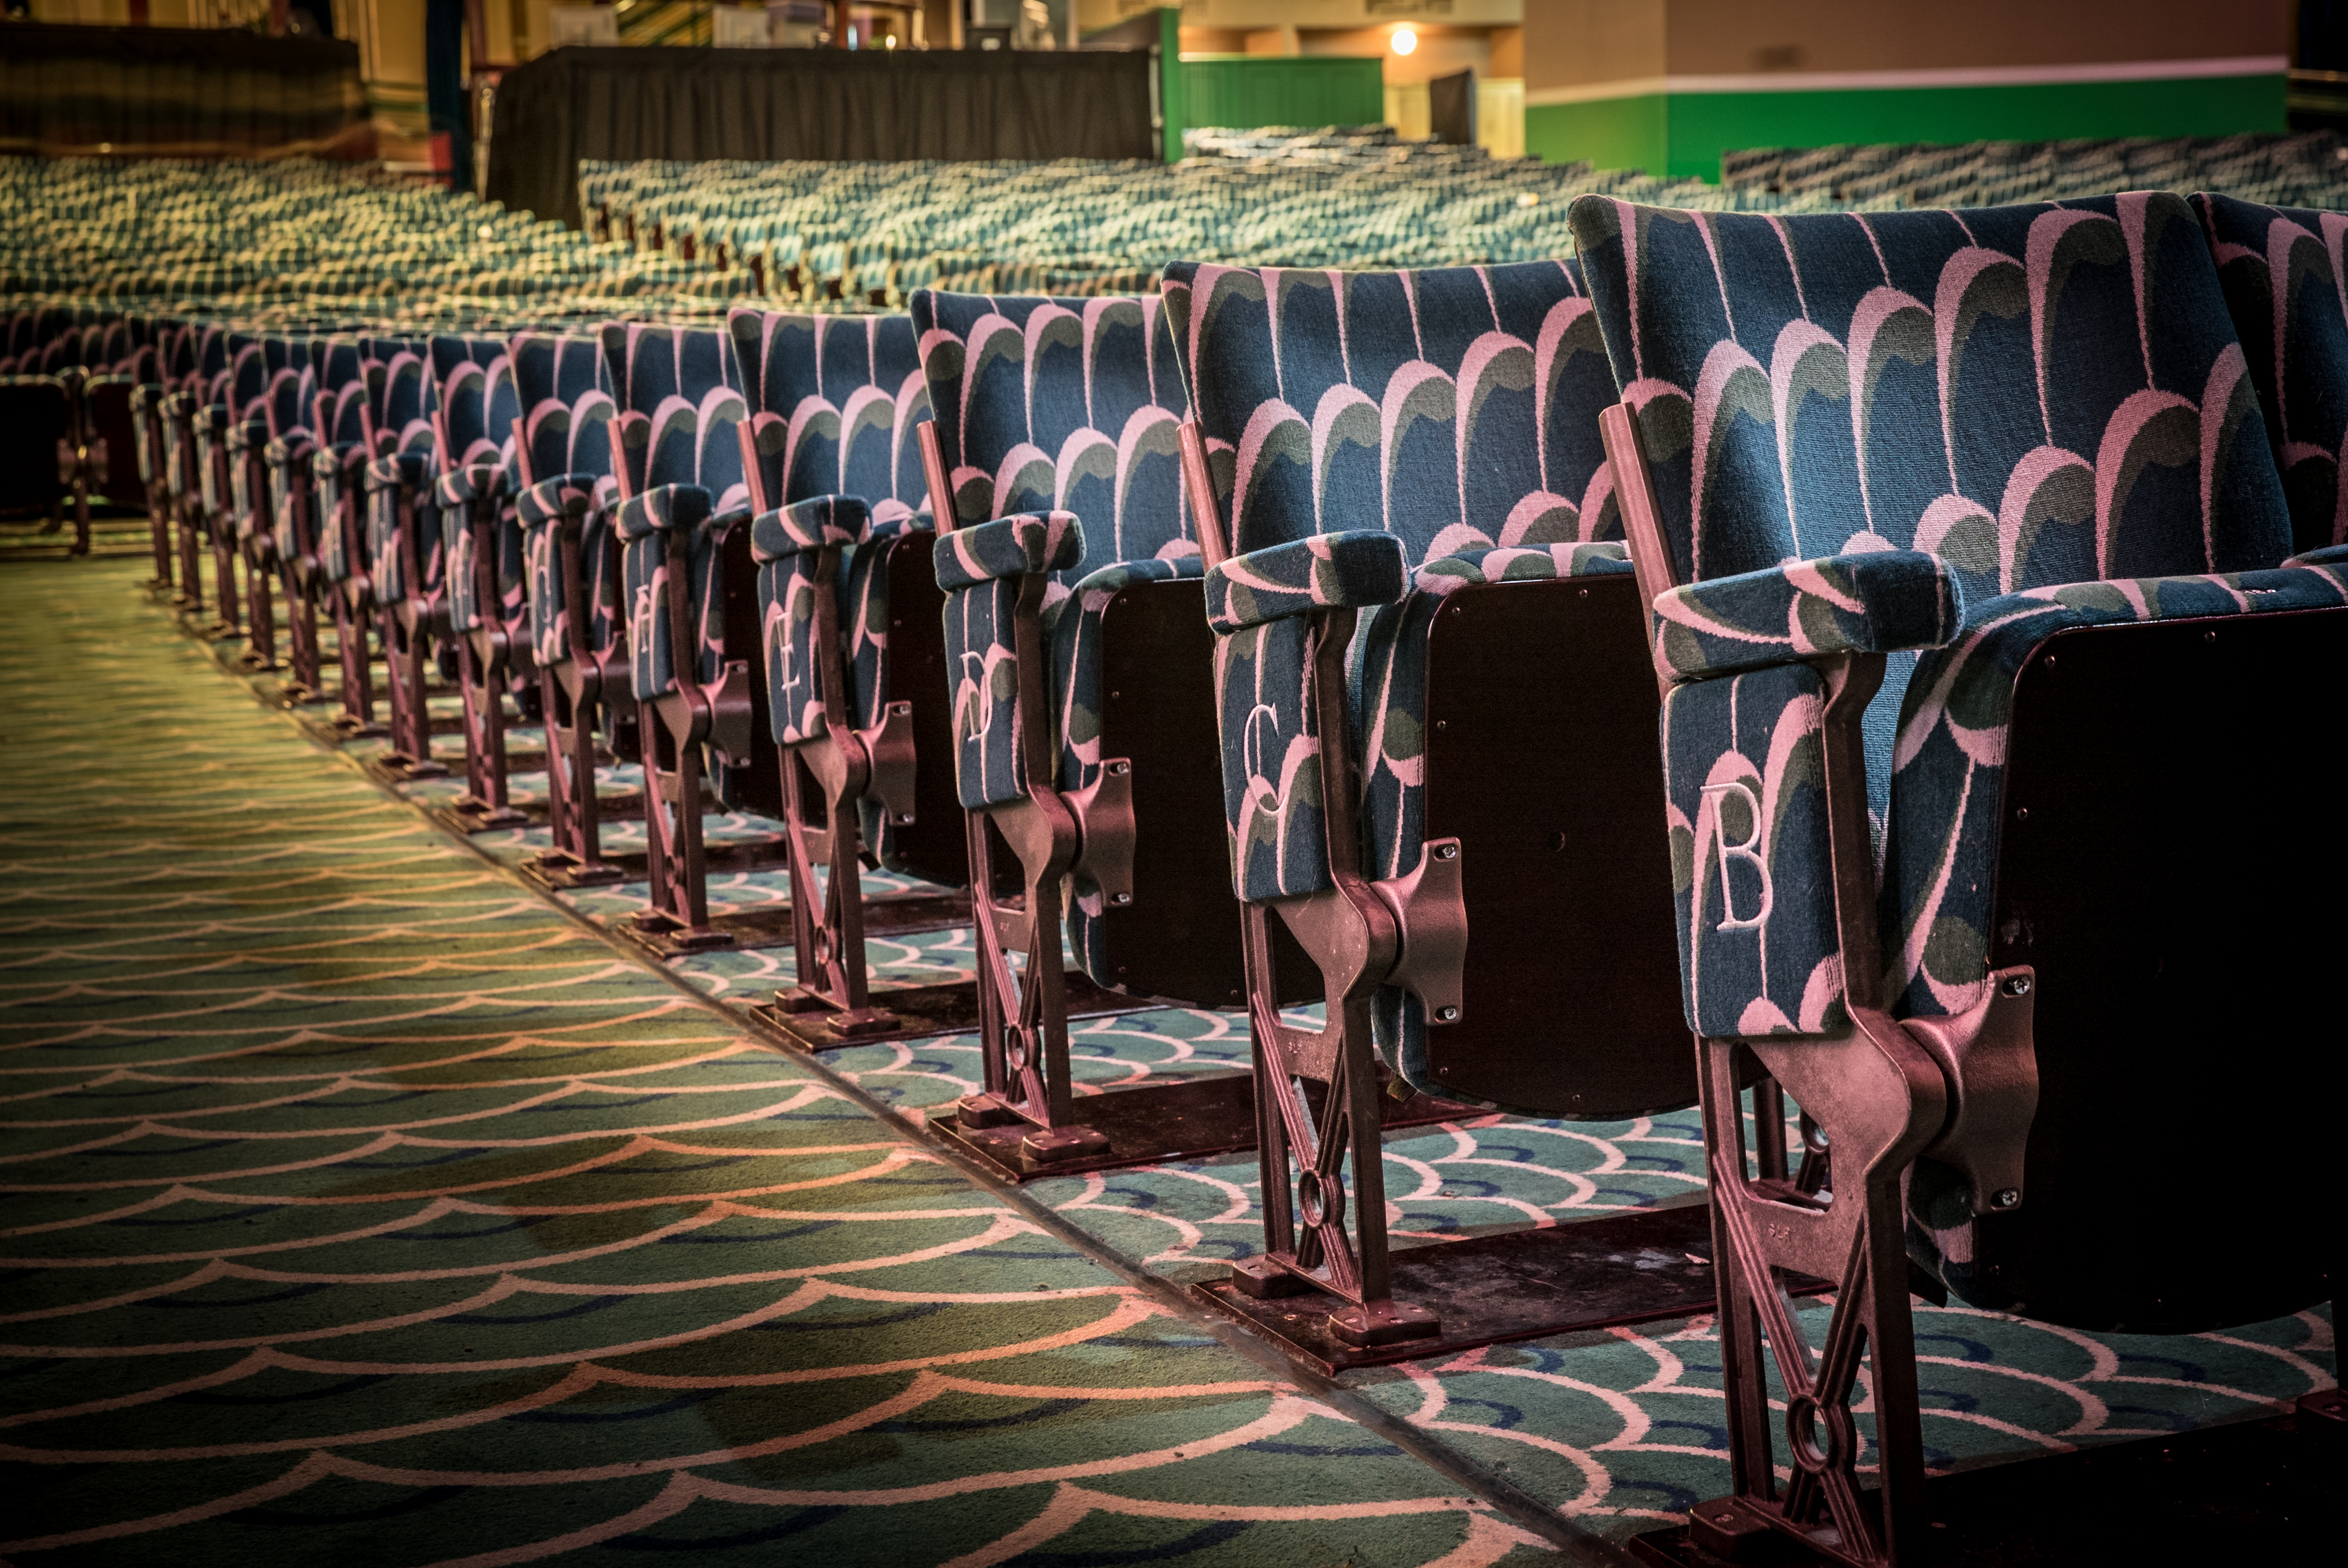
point(566, 519)
point(413, 615)
point(183, 490)
point(215, 525)
point(247, 444)
point(676, 721)
point(476, 522)
point(338, 474)
point(146, 421)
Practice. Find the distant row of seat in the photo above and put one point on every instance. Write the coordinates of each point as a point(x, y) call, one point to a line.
point(1353, 197)
point(1984, 573)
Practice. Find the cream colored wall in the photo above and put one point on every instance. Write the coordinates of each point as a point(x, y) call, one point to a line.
point(1568, 43)
point(1437, 54)
point(1722, 37)
point(1254, 15)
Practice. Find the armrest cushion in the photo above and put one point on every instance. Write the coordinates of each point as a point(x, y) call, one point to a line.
point(1328, 571)
point(1009, 547)
point(564, 495)
point(399, 469)
point(819, 520)
point(1871, 603)
point(2324, 555)
point(471, 482)
point(289, 450)
point(664, 509)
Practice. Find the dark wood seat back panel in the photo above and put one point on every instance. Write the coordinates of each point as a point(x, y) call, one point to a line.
point(754, 784)
point(2168, 885)
point(1542, 759)
point(933, 846)
point(1179, 938)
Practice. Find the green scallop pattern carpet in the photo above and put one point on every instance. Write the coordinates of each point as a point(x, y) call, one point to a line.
point(363, 1205)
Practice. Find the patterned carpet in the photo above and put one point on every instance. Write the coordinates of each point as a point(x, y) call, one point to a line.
point(266, 1030)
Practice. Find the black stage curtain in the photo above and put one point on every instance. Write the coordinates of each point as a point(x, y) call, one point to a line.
point(173, 92)
point(765, 104)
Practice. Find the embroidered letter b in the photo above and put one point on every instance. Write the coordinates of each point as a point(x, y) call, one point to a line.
point(1749, 851)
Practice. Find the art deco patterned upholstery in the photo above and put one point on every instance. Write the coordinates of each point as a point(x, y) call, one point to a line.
point(679, 404)
point(837, 400)
point(477, 411)
point(1954, 432)
point(350, 375)
point(565, 394)
point(404, 439)
point(1059, 422)
point(2282, 269)
point(1382, 439)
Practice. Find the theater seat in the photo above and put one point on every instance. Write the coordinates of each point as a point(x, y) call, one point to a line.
point(349, 415)
point(1081, 686)
point(472, 440)
point(564, 493)
point(684, 525)
point(1967, 566)
point(406, 565)
point(853, 653)
point(1431, 672)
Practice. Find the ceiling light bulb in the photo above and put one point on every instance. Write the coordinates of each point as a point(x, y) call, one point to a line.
point(1404, 40)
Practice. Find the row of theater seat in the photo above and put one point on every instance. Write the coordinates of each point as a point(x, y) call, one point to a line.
point(272, 241)
point(1354, 197)
point(1984, 574)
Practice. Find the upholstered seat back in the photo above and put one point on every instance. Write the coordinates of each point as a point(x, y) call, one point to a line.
point(1061, 405)
point(565, 396)
point(474, 385)
point(1067, 414)
point(679, 400)
point(835, 401)
point(680, 404)
point(835, 404)
point(1448, 407)
point(477, 402)
point(2036, 395)
point(2282, 270)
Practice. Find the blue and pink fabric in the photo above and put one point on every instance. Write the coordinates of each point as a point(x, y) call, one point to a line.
point(403, 465)
point(286, 454)
point(565, 394)
point(235, 380)
point(285, 368)
point(1059, 421)
point(679, 402)
point(1939, 435)
point(1380, 440)
point(349, 375)
point(474, 386)
point(836, 400)
point(2284, 271)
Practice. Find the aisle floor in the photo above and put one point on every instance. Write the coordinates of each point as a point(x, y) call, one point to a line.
point(266, 1029)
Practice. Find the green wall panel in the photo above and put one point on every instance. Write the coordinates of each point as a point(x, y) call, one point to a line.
point(1283, 89)
point(1701, 126)
point(1610, 133)
point(1683, 134)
